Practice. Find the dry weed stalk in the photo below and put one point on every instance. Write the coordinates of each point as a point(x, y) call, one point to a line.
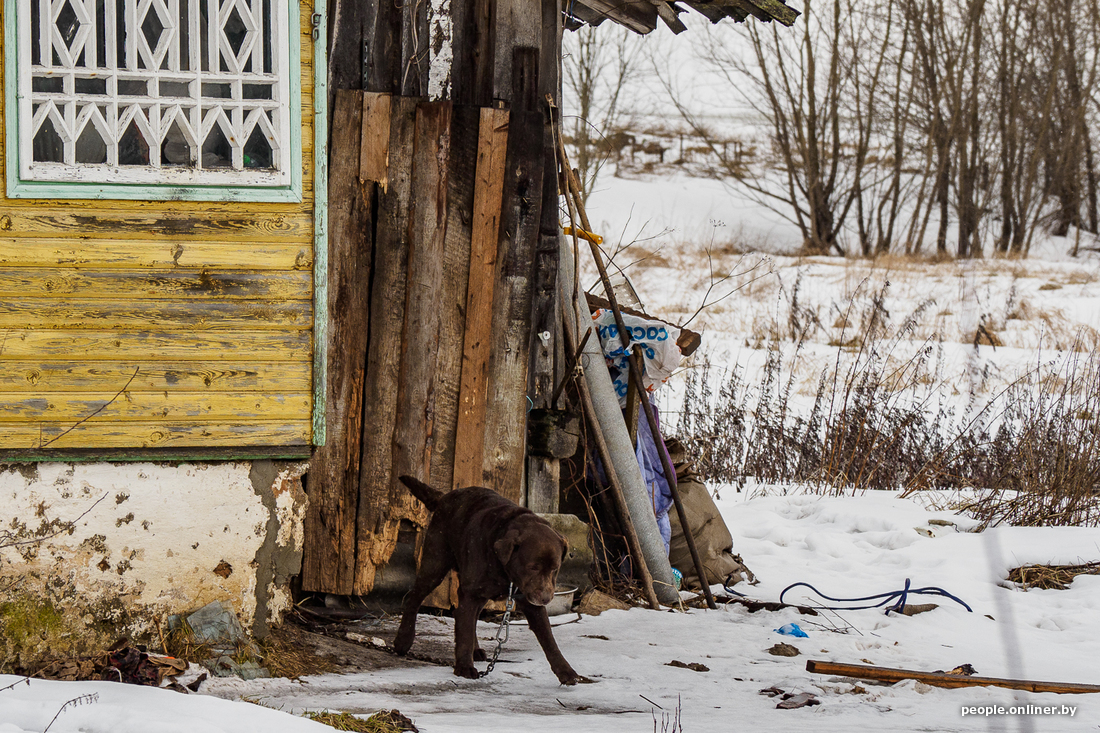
point(1031, 452)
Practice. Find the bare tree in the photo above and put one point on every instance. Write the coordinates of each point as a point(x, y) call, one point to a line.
point(599, 63)
point(823, 89)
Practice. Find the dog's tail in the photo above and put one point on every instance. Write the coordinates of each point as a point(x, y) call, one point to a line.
point(422, 491)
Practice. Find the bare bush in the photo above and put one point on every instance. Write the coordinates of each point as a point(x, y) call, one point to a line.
point(1031, 452)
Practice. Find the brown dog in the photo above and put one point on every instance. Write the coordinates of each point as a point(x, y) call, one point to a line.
point(492, 542)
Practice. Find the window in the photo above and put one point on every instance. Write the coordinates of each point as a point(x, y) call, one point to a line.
point(172, 93)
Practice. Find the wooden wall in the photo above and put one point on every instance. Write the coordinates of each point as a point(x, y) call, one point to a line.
point(443, 229)
point(431, 260)
point(159, 325)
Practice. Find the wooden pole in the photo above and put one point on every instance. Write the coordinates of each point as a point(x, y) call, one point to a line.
point(940, 679)
point(633, 544)
point(636, 372)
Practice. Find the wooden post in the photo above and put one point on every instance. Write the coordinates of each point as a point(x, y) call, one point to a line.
point(544, 473)
point(333, 479)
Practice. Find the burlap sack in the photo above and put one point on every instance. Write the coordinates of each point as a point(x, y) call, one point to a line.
point(712, 538)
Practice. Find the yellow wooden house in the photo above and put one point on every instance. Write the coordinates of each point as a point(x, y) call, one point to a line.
point(159, 228)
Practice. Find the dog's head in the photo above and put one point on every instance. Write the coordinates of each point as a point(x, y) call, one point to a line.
point(532, 554)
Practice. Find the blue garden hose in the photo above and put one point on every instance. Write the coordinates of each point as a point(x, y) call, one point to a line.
point(901, 595)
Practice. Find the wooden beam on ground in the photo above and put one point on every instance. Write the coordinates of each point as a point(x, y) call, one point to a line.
point(485, 228)
point(940, 679)
point(328, 564)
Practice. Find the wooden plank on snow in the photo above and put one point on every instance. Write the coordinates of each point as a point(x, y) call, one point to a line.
point(942, 679)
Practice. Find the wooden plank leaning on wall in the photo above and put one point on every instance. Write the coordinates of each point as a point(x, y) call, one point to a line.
point(333, 479)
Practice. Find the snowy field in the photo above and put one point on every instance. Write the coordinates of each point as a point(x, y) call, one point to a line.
point(845, 546)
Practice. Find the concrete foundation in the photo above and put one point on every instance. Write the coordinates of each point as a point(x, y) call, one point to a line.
point(90, 552)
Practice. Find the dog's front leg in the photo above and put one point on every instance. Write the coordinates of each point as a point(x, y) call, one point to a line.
point(466, 634)
point(540, 624)
point(433, 569)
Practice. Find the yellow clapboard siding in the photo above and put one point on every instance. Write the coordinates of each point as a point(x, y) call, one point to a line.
point(163, 314)
point(195, 407)
point(124, 285)
point(34, 376)
point(211, 303)
point(166, 434)
point(58, 345)
point(82, 218)
point(149, 254)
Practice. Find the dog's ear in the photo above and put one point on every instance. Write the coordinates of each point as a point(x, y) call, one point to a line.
point(564, 547)
point(506, 545)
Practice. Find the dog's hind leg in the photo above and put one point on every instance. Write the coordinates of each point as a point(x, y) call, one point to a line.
point(539, 623)
point(466, 646)
point(437, 562)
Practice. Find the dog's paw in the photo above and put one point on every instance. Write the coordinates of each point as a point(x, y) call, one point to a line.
point(480, 655)
point(571, 678)
point(468, 672)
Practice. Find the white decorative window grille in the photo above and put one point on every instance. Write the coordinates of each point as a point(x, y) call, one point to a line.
point(177, 92)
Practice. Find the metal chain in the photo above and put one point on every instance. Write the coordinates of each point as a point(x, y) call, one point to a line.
point(502, 630)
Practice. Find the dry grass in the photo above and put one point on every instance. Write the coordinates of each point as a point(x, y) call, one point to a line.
point(385, 721)
point(1051, 577)
point(1032, 449)
point(284, 656)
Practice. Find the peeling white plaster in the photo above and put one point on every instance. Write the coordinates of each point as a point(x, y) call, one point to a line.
point(149, 534)
point(440, 33)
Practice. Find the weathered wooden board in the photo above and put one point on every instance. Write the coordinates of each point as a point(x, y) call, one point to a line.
point(420, 338)
point(387, 319)
point(161, 219)
point(93, 433)
point(142, 345)
point(167, 315)
point(506, 404)
point(374, 150)
point(34, 376)
point(127, 285)
point(333, 479)
point(176, 406)
point(465, 127)
point(484, 243)
point(137, 254)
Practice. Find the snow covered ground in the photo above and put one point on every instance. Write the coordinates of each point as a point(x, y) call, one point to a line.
point(845, 546)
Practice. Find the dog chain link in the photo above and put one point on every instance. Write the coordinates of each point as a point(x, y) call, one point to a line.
point(502, 630)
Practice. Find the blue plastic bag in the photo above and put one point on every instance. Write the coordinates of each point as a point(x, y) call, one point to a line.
point(792, 630)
